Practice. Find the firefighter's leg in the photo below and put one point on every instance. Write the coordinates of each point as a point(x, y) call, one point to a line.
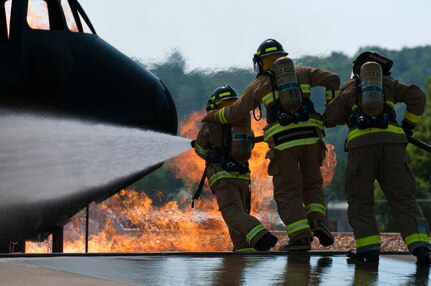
point(229, 197)
point(311, 158)
point(360, 176)
point(287, 180)
point(261, 243)
point(399, 186)
point(238, 241)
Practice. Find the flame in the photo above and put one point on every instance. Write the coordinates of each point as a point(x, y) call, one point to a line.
point(130, 222)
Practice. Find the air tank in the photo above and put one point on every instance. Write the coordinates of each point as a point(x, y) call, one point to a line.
point(371, 88)
point(288, 88)
point(242, 140)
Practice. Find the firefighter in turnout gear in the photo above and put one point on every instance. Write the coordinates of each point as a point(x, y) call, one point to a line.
point(376, 150)
point(294, 135)
point(226, 150)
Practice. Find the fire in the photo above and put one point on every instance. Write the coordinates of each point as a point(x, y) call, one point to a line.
point(189, 167)
point(131, 222)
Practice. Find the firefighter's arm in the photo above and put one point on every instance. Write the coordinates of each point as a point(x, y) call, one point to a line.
point(337, 109)
point(325, 78)
point(201, 144)
point(415, 101)
point(240, 109)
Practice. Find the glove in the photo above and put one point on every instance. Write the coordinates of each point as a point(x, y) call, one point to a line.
point(408, 128)
point(193, 143)
point(210, 117)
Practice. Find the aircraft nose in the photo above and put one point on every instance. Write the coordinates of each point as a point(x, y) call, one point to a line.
point(166, 114)
point(107, 85)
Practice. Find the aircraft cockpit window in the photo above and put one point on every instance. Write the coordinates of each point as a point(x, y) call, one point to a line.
point(85, 27)
point(70, 19)
point(77, 20)
point(44, 15)
point(37, 15)
point(5, 21)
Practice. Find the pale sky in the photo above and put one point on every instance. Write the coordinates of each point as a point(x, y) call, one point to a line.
point(217, 34)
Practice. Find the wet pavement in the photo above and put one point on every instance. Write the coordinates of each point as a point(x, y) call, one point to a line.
point(315, 268)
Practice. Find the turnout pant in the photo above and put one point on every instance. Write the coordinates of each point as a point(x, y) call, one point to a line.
point(298, 187)
point(233, 198)
point(388, 164)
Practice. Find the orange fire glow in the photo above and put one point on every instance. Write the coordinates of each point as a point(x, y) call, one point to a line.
point(130, 222)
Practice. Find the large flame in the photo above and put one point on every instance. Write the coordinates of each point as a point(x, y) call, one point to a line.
point(130, 222)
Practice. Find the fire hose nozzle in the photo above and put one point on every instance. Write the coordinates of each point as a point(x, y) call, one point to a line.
point(193, 143)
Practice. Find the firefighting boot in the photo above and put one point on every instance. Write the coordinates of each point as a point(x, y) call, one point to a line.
point(321, 231)
point(297, 245)
point(422, 255)
point(366, 256)
point(266, 242)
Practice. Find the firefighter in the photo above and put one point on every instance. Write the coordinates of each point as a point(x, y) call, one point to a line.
point(376, 150)
point(226, 150)
point(294, 134)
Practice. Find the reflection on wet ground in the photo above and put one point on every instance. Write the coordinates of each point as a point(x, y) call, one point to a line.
point(236, 269)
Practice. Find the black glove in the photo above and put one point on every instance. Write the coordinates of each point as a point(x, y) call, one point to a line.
point(408, 128)
point(193, 143)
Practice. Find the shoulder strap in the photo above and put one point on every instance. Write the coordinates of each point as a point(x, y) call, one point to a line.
point(260, 113)
point(358, 89)
point(226, 136)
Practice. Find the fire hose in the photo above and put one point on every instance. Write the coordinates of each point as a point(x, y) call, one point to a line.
point(419, 143)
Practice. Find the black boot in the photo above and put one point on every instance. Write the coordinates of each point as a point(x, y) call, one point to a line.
point(422, 254)
point(297, 245)
point(266, 242)
point(321, 231)
point(366, 256)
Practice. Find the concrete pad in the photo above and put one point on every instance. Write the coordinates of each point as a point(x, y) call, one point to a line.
point(28, 274)
point(272, 268)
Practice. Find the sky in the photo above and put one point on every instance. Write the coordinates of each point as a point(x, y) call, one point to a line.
point(218, 34)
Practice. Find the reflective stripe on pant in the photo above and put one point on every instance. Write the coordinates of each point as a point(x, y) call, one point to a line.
point(297, 185)
point(368, 243)
point(388, 164)
point(233, 198)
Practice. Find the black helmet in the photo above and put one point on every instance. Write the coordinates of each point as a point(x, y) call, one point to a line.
point(266, 48)
point(269, 47)
point(385, 63)
point(220, 94)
